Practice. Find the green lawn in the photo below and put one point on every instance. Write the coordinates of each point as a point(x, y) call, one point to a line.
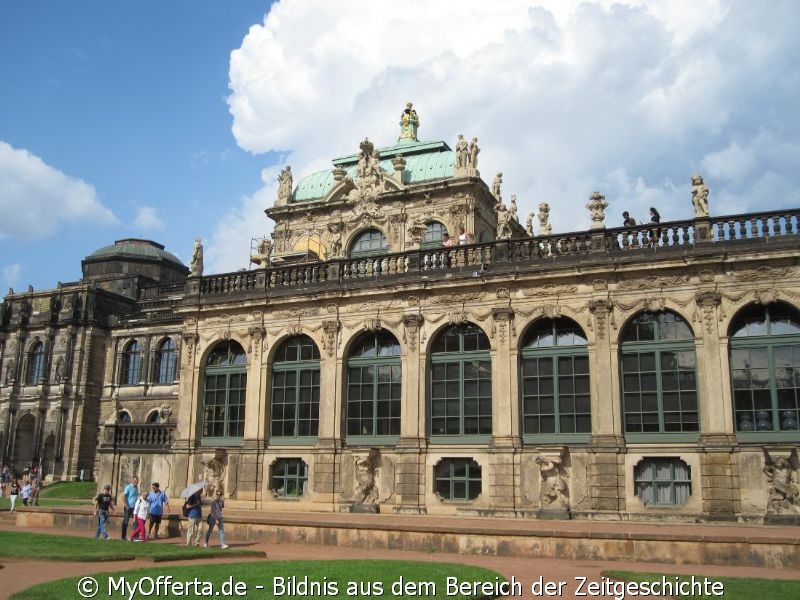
point(734, 588)
point(20, 544)
point(85, 490)
point(286, 579)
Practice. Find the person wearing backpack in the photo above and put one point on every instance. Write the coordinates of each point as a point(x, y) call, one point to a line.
point(215, 518)
point(103, 505)
point(158, 500)
point(140, 511)
point(194, 511)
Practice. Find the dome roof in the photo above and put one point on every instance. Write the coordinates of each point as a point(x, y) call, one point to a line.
point(133, 248)
point(425, 161)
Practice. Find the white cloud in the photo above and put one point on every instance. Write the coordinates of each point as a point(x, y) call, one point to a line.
point(565, 96)
point(11, 274)
point(147, 218)
point(35, 198)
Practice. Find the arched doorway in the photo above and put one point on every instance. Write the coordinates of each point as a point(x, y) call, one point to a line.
point(24, 436)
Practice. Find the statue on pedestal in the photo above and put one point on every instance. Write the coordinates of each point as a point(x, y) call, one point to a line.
point(196, 265)
point(699, 196)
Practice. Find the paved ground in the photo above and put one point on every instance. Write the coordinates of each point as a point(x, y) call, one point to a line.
point(20, 574)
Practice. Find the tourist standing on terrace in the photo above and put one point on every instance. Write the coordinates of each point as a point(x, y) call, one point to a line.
point(158, 500)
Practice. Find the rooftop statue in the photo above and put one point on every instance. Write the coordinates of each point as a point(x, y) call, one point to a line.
point(473, 153)
point(409, 123)
point(699, 196)
point(513, 209)
point(498, 181)
point(285, 186)
point(263, 252)
point(196, 265)
point(462, 152)
point(504, 230)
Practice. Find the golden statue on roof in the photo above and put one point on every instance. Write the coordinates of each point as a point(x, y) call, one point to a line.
point(409, 123)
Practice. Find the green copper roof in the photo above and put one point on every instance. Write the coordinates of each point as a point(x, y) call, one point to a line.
point(135, 248)
point(425, 161)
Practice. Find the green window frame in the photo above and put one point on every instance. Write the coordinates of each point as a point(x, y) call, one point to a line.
point(36, 363)
point(460, 383)
point(294, 407)
point(458, 479)
point(166, 358)
point(289, 478)
point(132, 363)
point(374, 385)
point(369, 243)
point(765, 371)
point(658, 367)
point(554, 380)
point(433, 235)
point(224, 394)
point(663, 481)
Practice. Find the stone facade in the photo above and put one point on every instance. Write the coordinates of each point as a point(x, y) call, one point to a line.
point(331, 376)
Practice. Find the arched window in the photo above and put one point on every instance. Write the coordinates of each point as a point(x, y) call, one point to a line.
point(166, 356)
point(461, 382)
point(224, 392)
point(294, 410)
point(132, 363)
point(154, 417)
point(765, 368)
point(659, 381)
point(433, 235)
point(368, 243)
point(373, 386)
point(36, 363)
point(289, 478)
point(124, 417)
point(555, 379)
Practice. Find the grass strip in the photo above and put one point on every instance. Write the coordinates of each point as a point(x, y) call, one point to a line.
point(733, 588)
point(399, 580)
point(39, 546)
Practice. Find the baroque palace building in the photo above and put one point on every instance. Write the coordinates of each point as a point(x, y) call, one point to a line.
point(369, 363)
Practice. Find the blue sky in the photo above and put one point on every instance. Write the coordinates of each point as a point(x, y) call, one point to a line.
point(171, 120)
point(130, 98)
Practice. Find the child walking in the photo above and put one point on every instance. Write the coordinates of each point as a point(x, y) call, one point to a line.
point(140, 511)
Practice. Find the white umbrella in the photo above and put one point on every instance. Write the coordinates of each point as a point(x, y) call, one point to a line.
point(192, 488)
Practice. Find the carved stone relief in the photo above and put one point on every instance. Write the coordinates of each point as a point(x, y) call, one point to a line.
point(782, 483)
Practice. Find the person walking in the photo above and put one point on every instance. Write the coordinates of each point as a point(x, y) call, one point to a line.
point(103, 505)
point(215, 518)
point(194, 510)
point(158, 500)
point(130, 495)
point(140, 511)
point(26, 492)
point(14, 493)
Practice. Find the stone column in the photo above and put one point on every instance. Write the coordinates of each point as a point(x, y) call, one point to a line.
point(607, 471)
point(329, 441)
point(412, 446)
point(717, 444)
point(188, 416)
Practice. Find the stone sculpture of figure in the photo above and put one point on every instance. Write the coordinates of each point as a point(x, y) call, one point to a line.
point(498, 180)
point(59, 374)
point(335, 230)
point(366, 478)
point(699, 196)
point(409, 122)
point(529, 224)
point(784, 492)
point(375, 167)
point(462, 152)
point(196, 265)
point(9, 371)
point(164, 413)
point(285, 185)
point(544, 219)
point(263, 253)
point(554, 492)
point(513, 209)
point(213, 470)
point(504, 230)
point(363, 161)
point(473, 153)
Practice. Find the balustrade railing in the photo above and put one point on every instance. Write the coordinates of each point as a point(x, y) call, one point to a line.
point(474, 257)
point(142, 436)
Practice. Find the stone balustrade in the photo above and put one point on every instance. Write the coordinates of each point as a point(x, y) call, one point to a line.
point(513, 252)
point(155, 436)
